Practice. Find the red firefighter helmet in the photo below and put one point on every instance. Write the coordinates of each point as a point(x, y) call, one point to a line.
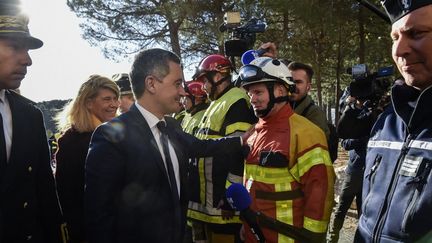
point(213, 63)
point(195, 88)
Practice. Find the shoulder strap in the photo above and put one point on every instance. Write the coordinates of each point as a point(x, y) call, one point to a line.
point(307, 109)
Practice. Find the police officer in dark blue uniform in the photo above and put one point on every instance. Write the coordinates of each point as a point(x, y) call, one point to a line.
point(397, 186)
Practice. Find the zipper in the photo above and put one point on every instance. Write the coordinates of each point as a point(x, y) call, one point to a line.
point(371, 177)
point(394, 179)
point(372, 173)
point(409, 209)
point(420, 181)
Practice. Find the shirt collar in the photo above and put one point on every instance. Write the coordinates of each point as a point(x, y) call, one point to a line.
point(151, 119)
point(3, 95)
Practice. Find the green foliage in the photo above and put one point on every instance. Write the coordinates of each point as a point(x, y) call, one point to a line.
point(49, 110)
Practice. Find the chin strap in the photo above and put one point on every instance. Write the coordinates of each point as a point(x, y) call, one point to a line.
point(272, 101)
point(212, 94)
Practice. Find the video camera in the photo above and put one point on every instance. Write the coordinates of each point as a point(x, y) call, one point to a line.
point(242, 36)
point(368, 86)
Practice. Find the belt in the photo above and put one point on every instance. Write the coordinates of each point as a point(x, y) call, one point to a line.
point(279, 196)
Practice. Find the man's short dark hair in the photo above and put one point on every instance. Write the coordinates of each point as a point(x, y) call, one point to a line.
point(150, 62)
point(294, 66)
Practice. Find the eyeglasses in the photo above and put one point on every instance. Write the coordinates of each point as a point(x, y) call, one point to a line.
point(250, 73)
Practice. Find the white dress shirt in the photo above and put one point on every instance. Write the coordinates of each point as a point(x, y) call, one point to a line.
point(152, 120)
point(7, 121)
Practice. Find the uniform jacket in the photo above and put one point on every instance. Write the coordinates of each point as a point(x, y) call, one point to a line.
point(128, 196)
point(70, 161)
point(289, 175)
point(313, 113)
point(228, 115)
point(397, 188)
point(191, 119)
point(29, 208)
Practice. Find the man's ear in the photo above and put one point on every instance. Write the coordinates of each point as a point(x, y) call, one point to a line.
point(280, 90)
point(309, 86)
point(149, 83)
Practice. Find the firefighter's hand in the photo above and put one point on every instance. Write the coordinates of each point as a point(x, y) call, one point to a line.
point(271, 49)
point(226, 213)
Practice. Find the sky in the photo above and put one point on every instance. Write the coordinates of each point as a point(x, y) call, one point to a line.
point(65, 60)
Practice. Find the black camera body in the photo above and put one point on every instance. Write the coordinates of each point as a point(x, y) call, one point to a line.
point(368, 86)
point(242, 36)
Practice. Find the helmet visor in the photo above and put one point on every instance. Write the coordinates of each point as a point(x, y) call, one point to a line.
point(251, 74)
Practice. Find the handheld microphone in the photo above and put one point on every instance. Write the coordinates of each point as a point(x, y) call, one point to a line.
point(239, 199)
point(250, 55)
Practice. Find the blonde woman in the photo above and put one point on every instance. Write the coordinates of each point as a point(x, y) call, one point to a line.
point(97, 102)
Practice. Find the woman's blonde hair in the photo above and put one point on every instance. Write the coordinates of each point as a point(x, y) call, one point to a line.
point(76, 114)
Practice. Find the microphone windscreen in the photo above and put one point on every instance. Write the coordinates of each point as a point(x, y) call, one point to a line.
point(248, 57)
point(238, 197)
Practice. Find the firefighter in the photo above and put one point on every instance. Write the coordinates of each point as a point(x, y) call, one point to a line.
point(228, 114)
point(288, 171)
point(195, 104)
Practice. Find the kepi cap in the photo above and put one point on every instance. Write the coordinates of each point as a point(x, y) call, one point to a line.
point(396, 9)
point(123, 81)
point(14, 24)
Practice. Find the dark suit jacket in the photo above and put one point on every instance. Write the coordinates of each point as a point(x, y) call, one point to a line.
point(29, 207)
point(70, 160)
point(128, 197)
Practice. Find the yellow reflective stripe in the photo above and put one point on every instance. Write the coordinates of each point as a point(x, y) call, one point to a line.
point(284, 211)
point(208, 136)
point(201, 179)
point(227, 184)
point(238, 126)
point(284, 239)
point(210, 215)
point(234, 178)
point(217, 109)
point(268, 175)
point(315, 225)
point(313, 157)
point(212, 219)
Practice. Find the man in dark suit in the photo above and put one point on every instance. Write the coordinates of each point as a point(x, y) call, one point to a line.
point(135, 180)
point(29, 209)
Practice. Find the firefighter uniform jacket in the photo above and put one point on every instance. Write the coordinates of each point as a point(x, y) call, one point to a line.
point(191, 119)
point(397, 187)
point(228, 115)
point(289, 175)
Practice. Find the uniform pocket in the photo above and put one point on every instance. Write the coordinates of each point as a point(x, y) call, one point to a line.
point(417, 182)
point(273, 159)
